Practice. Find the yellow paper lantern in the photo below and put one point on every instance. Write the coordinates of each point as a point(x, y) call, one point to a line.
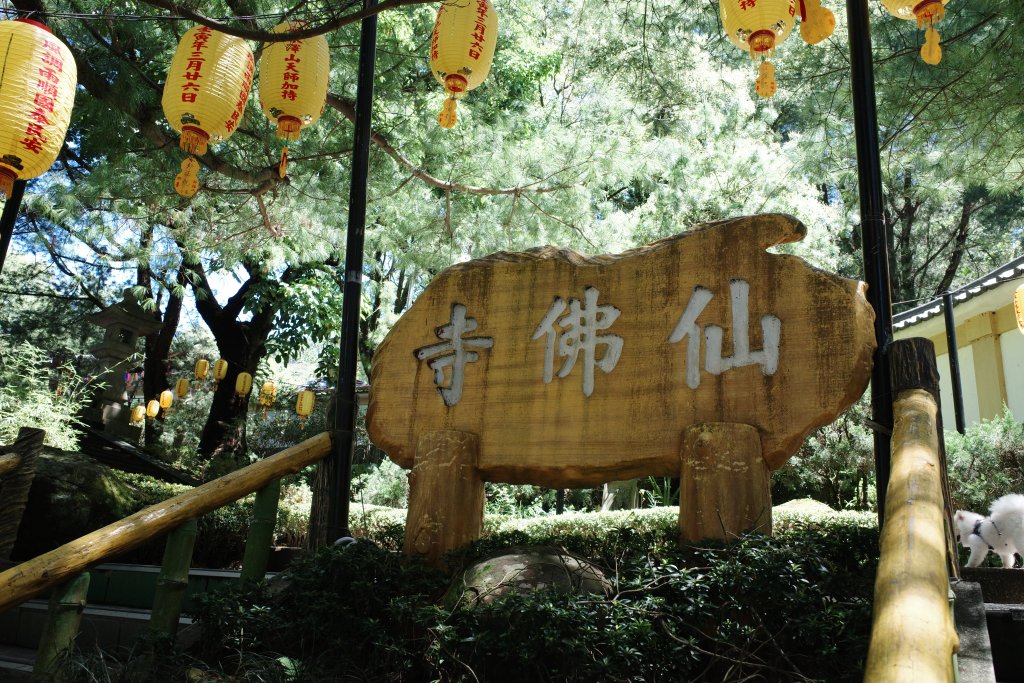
point(152, 409)
point(927, 13)
point(138, 414)
point(37, 91)
point(220, 370)
point(304, 405)
point(243, 385)
point(1018, 307)
point(759, 27)
point(461, 50)
point(268, 394)
point(293, 84)
point(816, 22)
point(181, 388)
point(166, 399)
point(207, 86)
point(202, 369)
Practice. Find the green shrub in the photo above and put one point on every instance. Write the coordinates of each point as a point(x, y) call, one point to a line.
point(835, 465)
point(221, 534)
point(986, 462)
point(793, 607)
point(384, 484)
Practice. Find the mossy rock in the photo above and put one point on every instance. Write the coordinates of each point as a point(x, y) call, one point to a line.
point(526, 568)
point(71, 495)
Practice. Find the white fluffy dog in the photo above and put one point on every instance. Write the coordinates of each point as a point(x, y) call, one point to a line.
point(1002, 531)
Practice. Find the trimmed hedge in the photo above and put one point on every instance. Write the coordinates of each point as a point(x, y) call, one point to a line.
point(790, 608)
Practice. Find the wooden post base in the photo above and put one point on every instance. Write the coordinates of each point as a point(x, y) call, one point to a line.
point(446, 495)
point(724, 482)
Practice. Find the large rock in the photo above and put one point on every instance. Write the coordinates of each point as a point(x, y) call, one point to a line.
point(523, 569)
point(71, 495)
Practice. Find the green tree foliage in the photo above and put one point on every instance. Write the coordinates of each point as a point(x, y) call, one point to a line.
point(986, 462)
point(601, 127)
point(37, 392)
point(950, 142)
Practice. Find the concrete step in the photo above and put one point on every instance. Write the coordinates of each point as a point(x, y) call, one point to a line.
point(16, 663)
point(108, 628)
point(133, 585)
point(1003, 595)
point(117, 612)
point(974, 662)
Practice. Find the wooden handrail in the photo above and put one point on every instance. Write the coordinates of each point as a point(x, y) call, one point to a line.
point(26, 580)
point(8, 461)
point(913, 638)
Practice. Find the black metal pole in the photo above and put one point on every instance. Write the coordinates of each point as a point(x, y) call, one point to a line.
point(345, 398)
point(8, 218)
point(954, 361)
point(873, 233)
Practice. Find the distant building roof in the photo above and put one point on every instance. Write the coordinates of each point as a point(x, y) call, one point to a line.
point(1000, 276)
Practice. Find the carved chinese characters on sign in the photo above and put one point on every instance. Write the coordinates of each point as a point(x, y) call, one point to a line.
point(575, 331)
point(451, 353)
point(572, 370)
point(771, 329)
point(572, 328)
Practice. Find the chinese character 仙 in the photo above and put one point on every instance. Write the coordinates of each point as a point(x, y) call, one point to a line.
point(453, 353)
point(714, 362)
point(578, 332)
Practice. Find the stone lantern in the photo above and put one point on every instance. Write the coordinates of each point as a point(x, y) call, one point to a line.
point(124, 323)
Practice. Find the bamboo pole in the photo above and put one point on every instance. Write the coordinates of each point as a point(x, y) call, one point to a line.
point(173, 580)
point(65, 614)
point(261, 532)
point(8, 462)
point(31, 578)
point(913, 638)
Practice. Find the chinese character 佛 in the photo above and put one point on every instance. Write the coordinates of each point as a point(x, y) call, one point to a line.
point(771, 329)
point(453, 353)
point(578, 332)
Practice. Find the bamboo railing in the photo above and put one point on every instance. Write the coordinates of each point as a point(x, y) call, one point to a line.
point(913, 638)
point(29, 579)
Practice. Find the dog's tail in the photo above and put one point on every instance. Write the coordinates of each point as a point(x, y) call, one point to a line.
point(1008, 511)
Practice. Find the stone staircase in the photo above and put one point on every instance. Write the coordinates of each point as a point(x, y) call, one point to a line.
point(990, 619)
point(119, 599)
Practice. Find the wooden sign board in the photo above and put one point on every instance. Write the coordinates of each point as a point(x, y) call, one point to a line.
point(573, 370)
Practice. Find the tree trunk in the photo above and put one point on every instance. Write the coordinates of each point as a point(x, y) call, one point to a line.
point(243, 344)
point(158, 349)
point(322, 482)
point(959, 247)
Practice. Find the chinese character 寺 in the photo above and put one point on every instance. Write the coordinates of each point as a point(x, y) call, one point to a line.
point(577, 331)
point(771, 329)
point(453, 353)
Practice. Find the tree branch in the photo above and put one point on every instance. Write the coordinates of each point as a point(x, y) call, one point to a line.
point(348, 110)
point(262, 36)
